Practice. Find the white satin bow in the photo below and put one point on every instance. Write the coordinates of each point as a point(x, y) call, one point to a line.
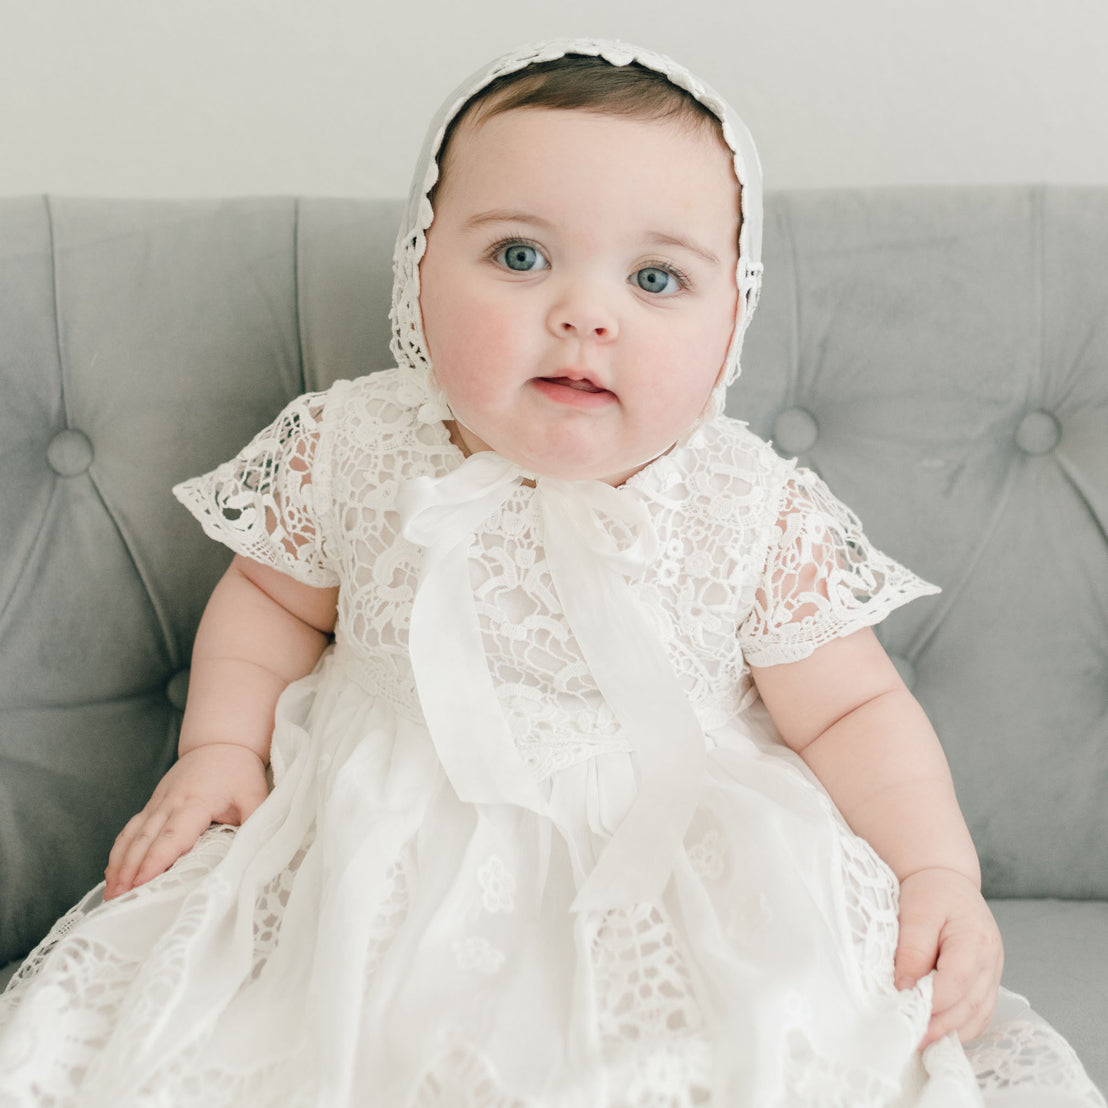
point(588, 562)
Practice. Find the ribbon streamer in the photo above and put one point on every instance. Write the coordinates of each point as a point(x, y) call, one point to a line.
point(589, 567)
point(452, 676)
point(636, 678)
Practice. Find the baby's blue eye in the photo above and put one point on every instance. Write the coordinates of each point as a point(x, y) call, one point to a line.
point(653, 279)
point(521, 257)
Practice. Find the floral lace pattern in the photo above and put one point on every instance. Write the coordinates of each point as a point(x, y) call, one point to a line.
point(1028, 1056)
point(266, 496)
point(736, 537)
point(822, 1082)
point(820, 577)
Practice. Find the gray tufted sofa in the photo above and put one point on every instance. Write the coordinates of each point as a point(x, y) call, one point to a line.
point(940, 356)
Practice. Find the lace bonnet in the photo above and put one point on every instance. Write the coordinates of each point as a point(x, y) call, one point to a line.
point(408, 344)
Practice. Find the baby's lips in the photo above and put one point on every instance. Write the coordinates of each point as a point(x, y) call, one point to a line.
point(582, 384)
point(577, 377)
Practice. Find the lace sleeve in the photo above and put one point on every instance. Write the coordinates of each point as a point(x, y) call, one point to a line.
point(267, 502)
point(823, 579)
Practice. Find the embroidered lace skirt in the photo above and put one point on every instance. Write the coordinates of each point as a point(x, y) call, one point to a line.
point(368, 939)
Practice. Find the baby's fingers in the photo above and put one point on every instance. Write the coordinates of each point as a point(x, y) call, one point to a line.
point(968, 1016)
point(149, 844)
point(127, 853)
point(965, 986)
point(916, 950)
point(915, 956)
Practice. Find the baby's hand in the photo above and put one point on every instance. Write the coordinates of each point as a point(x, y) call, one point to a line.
point(946, 925)
point(217, 783)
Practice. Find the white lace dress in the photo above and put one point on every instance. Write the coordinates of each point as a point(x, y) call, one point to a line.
point(431, 908)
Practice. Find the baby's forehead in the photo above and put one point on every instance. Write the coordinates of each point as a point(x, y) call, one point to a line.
point(525, 123)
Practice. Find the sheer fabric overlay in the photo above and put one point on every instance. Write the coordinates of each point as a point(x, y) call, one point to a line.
point(369, 937)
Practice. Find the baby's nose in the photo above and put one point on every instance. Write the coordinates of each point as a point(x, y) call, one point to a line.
point(583, 316)
point(597, 330)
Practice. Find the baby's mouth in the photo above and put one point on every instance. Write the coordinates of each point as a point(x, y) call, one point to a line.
point(574, 390)
point(582, 385)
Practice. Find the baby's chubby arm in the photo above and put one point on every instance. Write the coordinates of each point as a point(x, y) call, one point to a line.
point(261, 630)
point(847, 713)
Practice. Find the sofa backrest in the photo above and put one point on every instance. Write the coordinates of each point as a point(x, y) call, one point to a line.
point(940, 356)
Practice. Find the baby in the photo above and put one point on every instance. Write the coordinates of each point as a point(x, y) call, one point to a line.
point(568, 684)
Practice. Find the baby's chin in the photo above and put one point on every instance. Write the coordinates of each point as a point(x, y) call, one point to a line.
point(566, 460)
point(612, 471)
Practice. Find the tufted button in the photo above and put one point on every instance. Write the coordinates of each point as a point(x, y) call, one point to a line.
point(69, 453)
point(905, 668)
point(1038, 433)
point(795, 430)
point(177, 689)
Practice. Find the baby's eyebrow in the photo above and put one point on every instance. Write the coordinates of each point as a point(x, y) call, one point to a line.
point(660, 238)
point(504, 215)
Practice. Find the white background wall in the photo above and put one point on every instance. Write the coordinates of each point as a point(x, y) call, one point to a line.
point(213, 97)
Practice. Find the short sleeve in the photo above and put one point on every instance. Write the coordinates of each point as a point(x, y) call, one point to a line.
point(269, 502)
point(822, 578)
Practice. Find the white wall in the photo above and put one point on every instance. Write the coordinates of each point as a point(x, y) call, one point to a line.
point(213, 97)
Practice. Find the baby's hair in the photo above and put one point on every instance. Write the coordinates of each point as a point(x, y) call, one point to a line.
point(578, 82)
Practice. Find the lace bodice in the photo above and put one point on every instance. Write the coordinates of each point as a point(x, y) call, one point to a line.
point(756, 563)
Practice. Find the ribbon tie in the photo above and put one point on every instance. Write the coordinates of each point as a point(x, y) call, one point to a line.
point(594, 536)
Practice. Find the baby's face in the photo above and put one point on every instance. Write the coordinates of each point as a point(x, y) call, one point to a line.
point(578, 289)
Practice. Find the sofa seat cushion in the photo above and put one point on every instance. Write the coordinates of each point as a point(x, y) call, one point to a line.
point(1056, 954)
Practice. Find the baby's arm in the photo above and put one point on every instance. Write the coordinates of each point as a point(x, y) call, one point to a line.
point(847, 713)
point(261, 630)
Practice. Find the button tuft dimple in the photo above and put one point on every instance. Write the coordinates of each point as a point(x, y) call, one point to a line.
point(69, 453)
point(177, 689)
point(905, 668)
point(1038, 433)
point(795, 430)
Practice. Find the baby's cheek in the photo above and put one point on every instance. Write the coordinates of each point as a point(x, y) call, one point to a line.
point(673, 411)
point(689, 383)
point(503, 344)
point(488, 335)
